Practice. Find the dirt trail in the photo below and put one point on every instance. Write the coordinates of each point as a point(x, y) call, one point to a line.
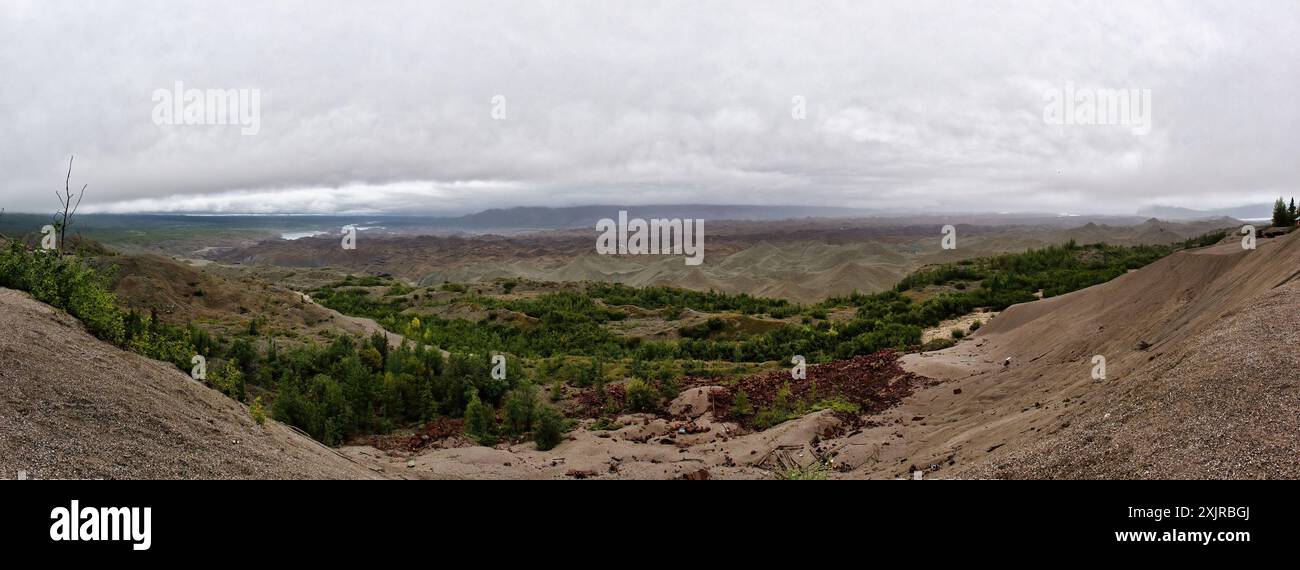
point(359, 325)
point(72, 406)
point(366, 326)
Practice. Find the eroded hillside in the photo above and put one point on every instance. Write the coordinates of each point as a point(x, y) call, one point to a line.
point(72, 406)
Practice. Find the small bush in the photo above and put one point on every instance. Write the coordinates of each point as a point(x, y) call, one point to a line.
point(549, 430)
point(938, 344)
point(604, 424)
point(258, 411)
point(641, 396)
point(957, 334)
point(740, 405)
point(976, 326)
point(230, 380)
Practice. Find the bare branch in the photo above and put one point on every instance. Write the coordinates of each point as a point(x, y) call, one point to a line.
point(68, 209)
point(79, 197)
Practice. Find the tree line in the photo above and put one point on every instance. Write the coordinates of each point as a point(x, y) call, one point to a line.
point(1285, 215)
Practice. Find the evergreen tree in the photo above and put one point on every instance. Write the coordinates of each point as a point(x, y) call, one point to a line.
point(1280, 214)
point(1294, 215)
point(480, 421)
point(521, 409)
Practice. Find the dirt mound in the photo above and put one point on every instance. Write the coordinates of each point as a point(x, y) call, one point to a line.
point(72, 406)
point(1201, 380)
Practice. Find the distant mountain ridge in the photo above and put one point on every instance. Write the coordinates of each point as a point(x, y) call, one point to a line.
point(1250, 211)
point(586, 216)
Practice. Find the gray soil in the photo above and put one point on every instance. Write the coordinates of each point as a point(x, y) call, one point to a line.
point(74, 407)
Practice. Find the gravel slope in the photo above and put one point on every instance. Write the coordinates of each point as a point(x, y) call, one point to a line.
point(73, 407)
point(1203, 380)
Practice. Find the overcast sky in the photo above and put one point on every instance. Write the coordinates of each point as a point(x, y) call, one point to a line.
point(369, 106)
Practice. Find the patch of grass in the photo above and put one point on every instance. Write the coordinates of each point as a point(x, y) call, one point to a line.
point(604, 424)
point(938, 344)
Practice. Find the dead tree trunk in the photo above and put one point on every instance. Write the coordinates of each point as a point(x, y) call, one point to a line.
point(68, 210)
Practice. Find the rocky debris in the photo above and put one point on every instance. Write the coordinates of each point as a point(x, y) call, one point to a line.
point(873, 382)
point(699, 475)
point(442, 433)
point(684, 428)
point(592, 404)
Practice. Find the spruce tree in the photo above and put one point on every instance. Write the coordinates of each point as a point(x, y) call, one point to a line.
point(480, 421)
point(1280, 213)
point(1294, 215)
point(521, 409)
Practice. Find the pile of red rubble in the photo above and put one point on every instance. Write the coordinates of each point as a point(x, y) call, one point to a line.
point(874, 382)
point(442, 432)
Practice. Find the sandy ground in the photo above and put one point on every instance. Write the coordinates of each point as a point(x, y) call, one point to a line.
point(73, 407)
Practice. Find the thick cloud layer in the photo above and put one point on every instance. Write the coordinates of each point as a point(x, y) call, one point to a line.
point(389, 106)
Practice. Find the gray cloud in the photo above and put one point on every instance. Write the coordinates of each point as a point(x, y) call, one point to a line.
point(387, 106)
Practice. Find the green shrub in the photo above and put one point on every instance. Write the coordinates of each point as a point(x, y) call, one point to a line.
point(976, 326)
point(65, 283)
point(781, 410)
point(549, 429)
point(740, 405)
point(957, 334)
point(641, 396)
point(257, 411)
point(938, 344)
point(768, 417)
point(229, 380)
point(604, 424)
